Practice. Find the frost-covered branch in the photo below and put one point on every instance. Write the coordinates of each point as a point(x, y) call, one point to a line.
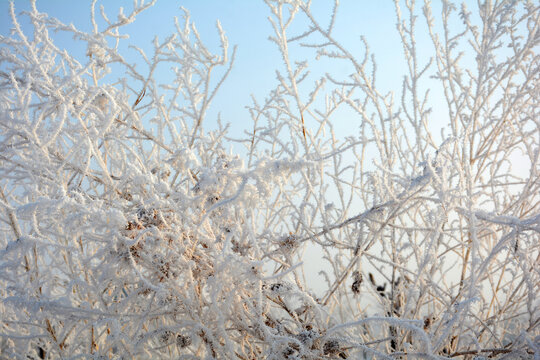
point(127, 230)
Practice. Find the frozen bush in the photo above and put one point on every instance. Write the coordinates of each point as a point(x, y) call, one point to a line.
point(128, 231)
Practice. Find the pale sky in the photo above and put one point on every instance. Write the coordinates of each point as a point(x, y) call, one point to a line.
point(246, 25)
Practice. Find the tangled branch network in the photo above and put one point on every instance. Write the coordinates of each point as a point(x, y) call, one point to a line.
point(129, 230)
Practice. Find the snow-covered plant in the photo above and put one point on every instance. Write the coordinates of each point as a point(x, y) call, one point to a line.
point(128, 231)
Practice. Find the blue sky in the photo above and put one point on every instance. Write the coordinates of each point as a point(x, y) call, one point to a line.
point(245, 24)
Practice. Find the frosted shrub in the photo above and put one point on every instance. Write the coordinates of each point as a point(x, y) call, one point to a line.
point(128, 231)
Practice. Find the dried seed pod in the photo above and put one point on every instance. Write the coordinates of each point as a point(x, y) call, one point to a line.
point(165, 337)
point(183, 341)
point(427, 322)
point(380, 290)
point(333, 348)
point(289, 242)
point(357, 281)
